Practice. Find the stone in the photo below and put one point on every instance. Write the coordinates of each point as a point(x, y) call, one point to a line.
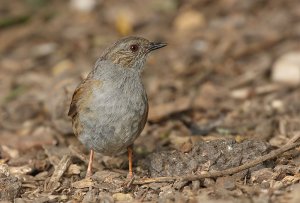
point(227, 183)
point(261, 175)
point(9, 188)
point(286, 69)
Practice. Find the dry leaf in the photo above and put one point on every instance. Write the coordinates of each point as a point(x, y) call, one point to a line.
point(85, 183)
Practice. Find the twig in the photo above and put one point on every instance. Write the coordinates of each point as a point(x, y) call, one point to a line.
point(75, 152)
point(251, 75)
point(294, 138)
point(244, 93)
point(58, 172)
point(226, 172)
point(160, 111)
point(256, 47)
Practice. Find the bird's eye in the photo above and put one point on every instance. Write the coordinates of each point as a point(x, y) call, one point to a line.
point(134, 47)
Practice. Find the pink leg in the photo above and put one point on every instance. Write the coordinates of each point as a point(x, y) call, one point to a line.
point(130, 174)
point(89, 169)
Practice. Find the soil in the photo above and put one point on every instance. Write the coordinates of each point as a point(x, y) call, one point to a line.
point(214, 102)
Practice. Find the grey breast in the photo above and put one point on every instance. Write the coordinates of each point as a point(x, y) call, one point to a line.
point(116, 112)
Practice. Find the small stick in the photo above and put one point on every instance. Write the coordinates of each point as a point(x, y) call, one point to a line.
point(58, 172)
point(75, 152)
point(294, 138)
point(226, 172)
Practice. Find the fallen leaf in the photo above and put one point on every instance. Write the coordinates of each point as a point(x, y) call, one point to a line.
point(85, 183)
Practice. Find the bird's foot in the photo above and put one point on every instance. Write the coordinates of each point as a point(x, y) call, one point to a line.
point(130, 175)
point(88, 174)
point(128, 182)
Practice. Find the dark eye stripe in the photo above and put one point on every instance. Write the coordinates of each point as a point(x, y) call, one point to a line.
point(134, 47)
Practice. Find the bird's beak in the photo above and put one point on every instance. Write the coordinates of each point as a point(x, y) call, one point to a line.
point(156, 45)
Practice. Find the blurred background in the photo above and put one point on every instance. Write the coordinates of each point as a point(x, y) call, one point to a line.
point(231, 69)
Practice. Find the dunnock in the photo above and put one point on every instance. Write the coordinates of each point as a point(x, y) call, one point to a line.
point(109, 108)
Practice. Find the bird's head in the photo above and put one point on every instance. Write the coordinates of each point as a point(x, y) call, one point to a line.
point(131, 52)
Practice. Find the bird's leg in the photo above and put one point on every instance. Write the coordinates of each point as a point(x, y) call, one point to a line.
point(130, 173)
point(89, 169)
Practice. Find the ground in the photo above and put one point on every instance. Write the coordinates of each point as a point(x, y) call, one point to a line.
point(215, 101)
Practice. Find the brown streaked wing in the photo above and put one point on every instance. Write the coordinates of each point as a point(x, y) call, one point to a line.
point(144, 118)
point(81, 95)
point(76, 97)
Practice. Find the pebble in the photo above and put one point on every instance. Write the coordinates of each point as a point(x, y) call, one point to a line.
point(9, 188)
point(286, 69)
point(83, 5)
point(208, 182)
point(196, 185)
point(227, 183)
point(261, 175)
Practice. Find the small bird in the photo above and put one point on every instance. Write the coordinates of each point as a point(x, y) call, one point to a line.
point(109, 108)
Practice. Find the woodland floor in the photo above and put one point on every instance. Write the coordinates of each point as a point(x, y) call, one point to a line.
point(213, 101)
